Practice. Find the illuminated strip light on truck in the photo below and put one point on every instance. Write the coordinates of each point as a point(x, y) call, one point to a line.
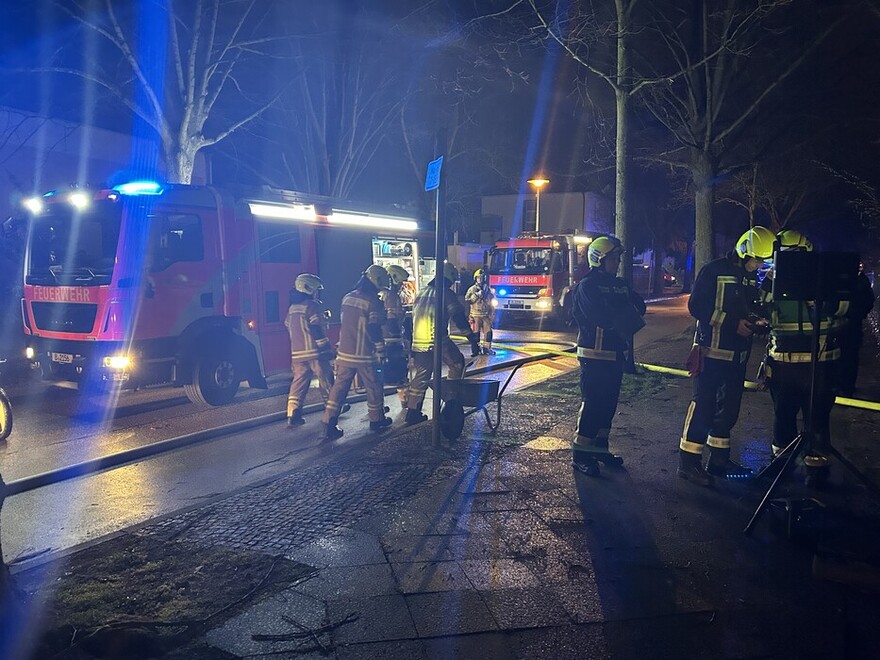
point(307, 213)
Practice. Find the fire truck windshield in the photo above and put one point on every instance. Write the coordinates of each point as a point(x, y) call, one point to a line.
point(525, 261)
point(72, 247)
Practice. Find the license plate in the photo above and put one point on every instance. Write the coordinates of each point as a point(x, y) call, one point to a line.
point(117, 376)
point(63, 358)
point(515, 306)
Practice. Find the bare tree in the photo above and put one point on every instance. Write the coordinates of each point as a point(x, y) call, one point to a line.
point(722, 45)
point(196, 94)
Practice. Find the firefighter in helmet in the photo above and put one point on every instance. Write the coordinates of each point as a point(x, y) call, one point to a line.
point(788, 364)
point(392, 331)
point(607, 313)
point(360, 352)
point(310, 352)
point(480, 314)
point(724, 300)
point(424, 329)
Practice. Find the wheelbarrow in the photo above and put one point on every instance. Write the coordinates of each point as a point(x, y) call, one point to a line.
point(466, 396)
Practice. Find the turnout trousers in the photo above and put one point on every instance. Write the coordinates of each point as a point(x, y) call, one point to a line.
point(422, 368)
point(714, 409)
point(790, 388)
point(369, 378)
point(303, 373)
point(600, 390)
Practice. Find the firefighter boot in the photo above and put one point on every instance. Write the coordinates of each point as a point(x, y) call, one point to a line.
point(720, 465)
point(383, 423)
point(599, 449)
point(690, 468)
point(584, 456)
point(296, 419)
point(818, 470)
point(414, 417)
point(345, 408)
point(330, 431)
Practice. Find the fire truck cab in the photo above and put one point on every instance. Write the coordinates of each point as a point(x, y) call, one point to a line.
point(147, 283)
point(532, 275)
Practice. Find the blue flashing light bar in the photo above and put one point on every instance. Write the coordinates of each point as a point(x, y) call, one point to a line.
point(139, 188)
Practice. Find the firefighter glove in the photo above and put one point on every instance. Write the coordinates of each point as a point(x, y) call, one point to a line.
point(695, 361)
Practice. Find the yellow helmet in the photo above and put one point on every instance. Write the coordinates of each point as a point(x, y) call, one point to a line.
point(308, 284)
point(478, 275)
point(793, 240)
point(601, 248)
point(378, 276)
point(398, 274)
point(757, 242)
point(450, 272)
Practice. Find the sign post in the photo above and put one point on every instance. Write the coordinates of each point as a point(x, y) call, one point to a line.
point(434, 181)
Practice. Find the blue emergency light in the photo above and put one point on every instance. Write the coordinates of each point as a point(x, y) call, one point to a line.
point(139, 188)
point(502, 292)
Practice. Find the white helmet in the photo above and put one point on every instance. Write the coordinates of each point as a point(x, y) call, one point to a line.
point(308, 284)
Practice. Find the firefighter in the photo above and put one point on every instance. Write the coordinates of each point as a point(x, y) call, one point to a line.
point(724, 300)
point(310, 352)
point(607, 313)
point(422, 354)
point(392, 331)
point(481, 310)
point(360, 352)
point(788, 364)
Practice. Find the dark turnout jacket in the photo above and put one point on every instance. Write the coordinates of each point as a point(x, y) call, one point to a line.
point(723, 295)
point(607, 313)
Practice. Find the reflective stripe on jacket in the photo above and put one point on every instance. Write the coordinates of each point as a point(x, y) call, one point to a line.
point(305, 326)
point(360, 333)
point(722, 296)
point(480, 298)
point(607, 313)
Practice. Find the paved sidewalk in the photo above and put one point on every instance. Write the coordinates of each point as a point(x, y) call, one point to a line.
point(493, 548)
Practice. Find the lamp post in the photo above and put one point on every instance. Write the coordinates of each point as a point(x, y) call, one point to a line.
point(538, 183)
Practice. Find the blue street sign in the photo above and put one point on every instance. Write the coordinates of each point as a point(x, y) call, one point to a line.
point(432, 178)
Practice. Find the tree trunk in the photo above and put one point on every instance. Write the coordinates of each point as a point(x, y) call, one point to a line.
point(703, 172)
point(621, 225)
point(621, 93)
point(658, 283)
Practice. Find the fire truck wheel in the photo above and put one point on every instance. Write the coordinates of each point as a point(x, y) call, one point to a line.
point(5, 416)
point(215, 381)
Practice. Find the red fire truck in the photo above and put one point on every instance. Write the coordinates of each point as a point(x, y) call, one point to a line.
point(532, 275)
point(147, 283)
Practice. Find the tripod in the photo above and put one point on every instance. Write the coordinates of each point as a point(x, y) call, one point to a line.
point(808, 276)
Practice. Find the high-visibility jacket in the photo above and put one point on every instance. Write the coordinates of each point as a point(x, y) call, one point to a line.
point(607, 313)
point(305, 325)
point(424, 321)
point(360, 331)
point(791, 327)
point(723, 295)
point(480, 298)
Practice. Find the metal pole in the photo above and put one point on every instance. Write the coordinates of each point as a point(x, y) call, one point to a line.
point(538, 210)
point(440, 330)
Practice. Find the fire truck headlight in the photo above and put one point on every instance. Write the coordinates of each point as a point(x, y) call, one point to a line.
point(494, 303)
point(118, 362)
point(78, 200)
point(34, 205)
point(543, 304)
point(29, 353)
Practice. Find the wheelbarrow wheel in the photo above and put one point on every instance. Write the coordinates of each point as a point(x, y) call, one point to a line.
point(452, 419)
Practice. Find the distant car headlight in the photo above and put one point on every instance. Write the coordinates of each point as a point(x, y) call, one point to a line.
point(118, 362)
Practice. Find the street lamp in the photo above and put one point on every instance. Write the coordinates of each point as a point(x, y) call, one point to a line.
point(538, 183)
